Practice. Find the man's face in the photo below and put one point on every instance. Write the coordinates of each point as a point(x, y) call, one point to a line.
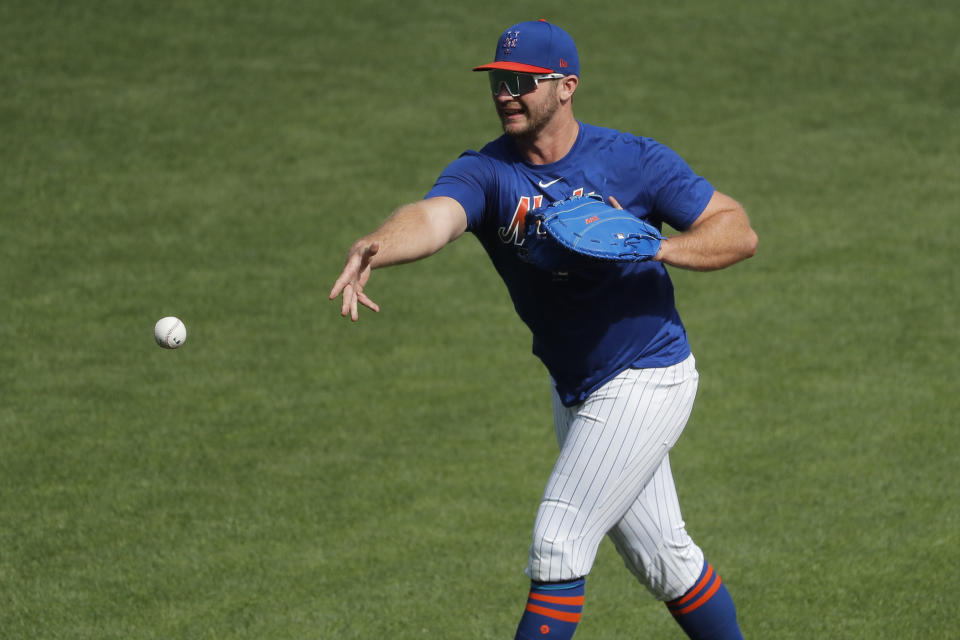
point(525, 115)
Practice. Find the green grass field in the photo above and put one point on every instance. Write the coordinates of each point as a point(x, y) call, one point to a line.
point(287, 474)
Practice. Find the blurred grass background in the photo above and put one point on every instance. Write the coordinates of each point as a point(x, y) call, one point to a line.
point(289, 475)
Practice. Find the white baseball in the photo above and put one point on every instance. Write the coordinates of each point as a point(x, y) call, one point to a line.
point(170, 332)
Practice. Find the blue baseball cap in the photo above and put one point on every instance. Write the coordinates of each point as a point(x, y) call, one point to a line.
point(535, 47)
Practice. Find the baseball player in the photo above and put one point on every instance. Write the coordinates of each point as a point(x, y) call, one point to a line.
point(623, 378)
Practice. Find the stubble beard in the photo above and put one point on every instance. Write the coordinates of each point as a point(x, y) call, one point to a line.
point(537, 118)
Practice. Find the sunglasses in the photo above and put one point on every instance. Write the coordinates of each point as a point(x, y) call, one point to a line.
point(518, 84)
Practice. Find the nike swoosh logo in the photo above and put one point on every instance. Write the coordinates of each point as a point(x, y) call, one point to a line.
point(549, 183)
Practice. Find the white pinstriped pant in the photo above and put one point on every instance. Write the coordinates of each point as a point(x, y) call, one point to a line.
point(613, 477)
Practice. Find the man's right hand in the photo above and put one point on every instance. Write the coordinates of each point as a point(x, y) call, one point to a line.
point(356, 272)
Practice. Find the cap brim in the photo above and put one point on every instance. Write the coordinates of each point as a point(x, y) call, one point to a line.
point(513, 66)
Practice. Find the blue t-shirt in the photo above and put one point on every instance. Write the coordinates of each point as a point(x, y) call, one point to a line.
point(589, 326)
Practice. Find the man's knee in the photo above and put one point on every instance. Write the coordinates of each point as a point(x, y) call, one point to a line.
point(667, 571)
point(558, 553)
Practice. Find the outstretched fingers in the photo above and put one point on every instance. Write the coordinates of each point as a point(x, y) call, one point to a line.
point(353, 297)
point(350, 284)
point(367, 302)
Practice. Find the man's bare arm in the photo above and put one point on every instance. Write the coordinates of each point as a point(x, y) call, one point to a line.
point(414, 231)
point(720, 237)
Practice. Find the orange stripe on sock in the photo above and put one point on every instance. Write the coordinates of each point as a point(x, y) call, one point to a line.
point(696, 589)
point(557, 599)
point(701, 600)
point(565, 616)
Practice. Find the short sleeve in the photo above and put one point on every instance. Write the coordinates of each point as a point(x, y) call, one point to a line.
point(466, 180)
point(678, 195)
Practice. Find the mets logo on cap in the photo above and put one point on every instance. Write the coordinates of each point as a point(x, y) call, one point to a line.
point(509, 42)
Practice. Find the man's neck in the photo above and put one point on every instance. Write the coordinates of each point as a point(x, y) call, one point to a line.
point(550, 144)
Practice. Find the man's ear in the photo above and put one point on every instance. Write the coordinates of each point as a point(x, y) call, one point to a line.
point(568, 86)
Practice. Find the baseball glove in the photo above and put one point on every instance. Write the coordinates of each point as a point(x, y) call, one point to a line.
point(584, 230)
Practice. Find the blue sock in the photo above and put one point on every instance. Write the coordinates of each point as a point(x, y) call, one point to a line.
point(706, 612)
point(553, 611)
